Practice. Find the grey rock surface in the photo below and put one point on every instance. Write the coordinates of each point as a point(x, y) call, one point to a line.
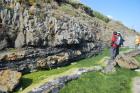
point(20, 40)
point(47, 38)
point(3, 39)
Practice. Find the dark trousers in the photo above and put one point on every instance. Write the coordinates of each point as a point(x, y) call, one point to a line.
point(117, 51)
point(114, 52)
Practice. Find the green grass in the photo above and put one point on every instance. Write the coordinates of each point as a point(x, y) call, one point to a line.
point(68, 9)
point(124, 49)
point(95, 82)
point(36, 77)
point(138, 58)
point(71, 10)
point(101, 16)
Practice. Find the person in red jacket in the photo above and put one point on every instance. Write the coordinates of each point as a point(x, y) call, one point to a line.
point(114, 46)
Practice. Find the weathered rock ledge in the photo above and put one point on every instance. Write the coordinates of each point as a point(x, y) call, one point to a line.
point(30, 59)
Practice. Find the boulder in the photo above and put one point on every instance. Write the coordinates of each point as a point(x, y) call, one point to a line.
point(127, 62)
point(9, 80)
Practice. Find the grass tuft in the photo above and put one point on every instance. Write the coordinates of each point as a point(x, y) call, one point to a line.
point(138, 58)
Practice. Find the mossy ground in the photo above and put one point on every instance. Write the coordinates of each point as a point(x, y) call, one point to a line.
point(96, 82)
point(138, 58)
point(93, 82)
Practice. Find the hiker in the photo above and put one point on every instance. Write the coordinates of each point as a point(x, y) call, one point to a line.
point(113, 45)
point(119, 42)
point(116, 43)
point(137, 42)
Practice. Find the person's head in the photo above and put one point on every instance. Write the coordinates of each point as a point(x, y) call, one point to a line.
point(114, 33)
point(119, 33)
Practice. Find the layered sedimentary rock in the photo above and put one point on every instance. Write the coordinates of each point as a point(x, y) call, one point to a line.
point(42, 35)
point(47, 34)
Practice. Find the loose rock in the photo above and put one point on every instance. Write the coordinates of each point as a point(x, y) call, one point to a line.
point(9, 80)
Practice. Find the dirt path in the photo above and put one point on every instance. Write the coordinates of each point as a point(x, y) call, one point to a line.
point(136, 85)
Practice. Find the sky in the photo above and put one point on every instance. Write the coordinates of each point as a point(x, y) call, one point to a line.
point(126, 11)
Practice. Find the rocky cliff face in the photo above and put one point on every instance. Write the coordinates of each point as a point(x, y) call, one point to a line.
point(47, 34)
point(43, 36)
point(50, 33)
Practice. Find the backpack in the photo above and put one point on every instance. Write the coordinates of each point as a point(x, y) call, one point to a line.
point(119, 41)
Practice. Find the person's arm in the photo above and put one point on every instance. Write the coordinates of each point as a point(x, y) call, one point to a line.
point(113, 39)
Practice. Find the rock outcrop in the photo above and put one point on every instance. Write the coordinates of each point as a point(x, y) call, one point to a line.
point(9, 80)
point(37, 31)
point(30, 59)
point(127, 60)
point(44, 24)
point(46, 36)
